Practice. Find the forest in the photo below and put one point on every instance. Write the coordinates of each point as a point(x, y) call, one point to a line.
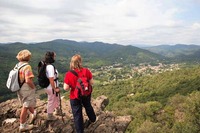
point(161, 103)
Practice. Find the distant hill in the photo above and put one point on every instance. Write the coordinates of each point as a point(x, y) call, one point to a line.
point(95, 54)
point(141, 45)
point(173, 51)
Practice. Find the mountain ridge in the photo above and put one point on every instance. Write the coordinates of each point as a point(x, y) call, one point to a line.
point(95, 55)
point(173, 51)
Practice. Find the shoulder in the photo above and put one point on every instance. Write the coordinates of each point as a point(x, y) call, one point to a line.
point(69, 73)
point(26, 67)
point(50, 67)
point(86, 70)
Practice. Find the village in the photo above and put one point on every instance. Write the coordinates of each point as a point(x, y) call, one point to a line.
point(123, 72)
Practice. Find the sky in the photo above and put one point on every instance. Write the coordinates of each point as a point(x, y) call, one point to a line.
point(126, 22)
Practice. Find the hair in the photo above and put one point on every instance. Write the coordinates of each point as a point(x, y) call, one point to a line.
point(24, 55)
point(76, 62)
point(49, 57)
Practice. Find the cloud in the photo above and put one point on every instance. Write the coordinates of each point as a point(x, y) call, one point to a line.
point(114, 21)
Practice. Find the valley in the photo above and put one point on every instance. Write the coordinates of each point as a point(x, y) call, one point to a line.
point(161, 93)
point(112, 73)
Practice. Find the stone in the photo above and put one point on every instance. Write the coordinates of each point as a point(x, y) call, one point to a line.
point(106, 122)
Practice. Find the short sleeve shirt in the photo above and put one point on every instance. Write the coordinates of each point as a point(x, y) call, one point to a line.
point(25, 73)
point(70, 79)
point(50, 72)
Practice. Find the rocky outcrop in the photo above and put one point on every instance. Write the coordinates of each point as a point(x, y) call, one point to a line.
point(107, 122)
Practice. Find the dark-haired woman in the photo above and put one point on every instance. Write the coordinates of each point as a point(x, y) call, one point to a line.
point(52, 90)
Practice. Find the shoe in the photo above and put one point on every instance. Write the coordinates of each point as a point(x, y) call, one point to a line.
point(51, 117)
point(87, 123)
point(33, 116)
point(25, 127)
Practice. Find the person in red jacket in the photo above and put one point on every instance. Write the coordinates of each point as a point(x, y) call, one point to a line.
point(76, 104)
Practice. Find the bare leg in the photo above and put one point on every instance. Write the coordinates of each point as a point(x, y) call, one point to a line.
point(23, 115)
point(31, 109)
point(23, 125)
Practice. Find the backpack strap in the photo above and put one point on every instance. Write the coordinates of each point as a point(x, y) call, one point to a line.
point(40, 64)
point(19, 67)
point(43, 63)
point(55, 73)
point(74, 72)
point(54, 68)
point(22, 65)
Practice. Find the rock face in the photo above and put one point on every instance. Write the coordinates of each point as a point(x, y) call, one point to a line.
point(106, 122)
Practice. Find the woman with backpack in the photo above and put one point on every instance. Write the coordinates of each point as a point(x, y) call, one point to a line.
point(70, 82)
point(26, 94)
point(52, 89)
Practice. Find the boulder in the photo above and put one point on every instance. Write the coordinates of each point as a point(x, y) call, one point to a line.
point(107, 122)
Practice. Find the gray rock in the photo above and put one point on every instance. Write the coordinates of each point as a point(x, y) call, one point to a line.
point(106, 122)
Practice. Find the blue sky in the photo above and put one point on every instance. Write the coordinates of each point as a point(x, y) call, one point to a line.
point(190, 13)
point(145, 22)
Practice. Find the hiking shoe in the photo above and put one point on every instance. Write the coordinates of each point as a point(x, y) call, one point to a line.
point(51, 117)
point(87, 123)
point(33, 116)
point(26, 127)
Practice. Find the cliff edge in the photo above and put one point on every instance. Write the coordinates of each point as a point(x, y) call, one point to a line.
point(107, 122)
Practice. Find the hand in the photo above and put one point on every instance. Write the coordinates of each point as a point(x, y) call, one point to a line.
point(57, 89)
point(66, 87)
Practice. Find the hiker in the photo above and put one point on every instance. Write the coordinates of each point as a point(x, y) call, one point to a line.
point(26, 94)
point(76, 104)
point(52, 89)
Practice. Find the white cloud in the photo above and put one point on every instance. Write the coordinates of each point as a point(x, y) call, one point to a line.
point(196, 26)
point(113, 21)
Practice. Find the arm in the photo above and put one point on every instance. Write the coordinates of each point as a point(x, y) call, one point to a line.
point(28, 75)
point(66, 82)
point(66, 87)
point(89, 75)
point(91, 81)
point(51, 73)
point(29, 81)
point(51, 80)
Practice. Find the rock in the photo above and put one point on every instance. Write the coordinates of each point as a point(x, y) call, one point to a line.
point(9, 120)
point(106, 122)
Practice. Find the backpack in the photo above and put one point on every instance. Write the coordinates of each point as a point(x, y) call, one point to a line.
point(13, 81)
point(42, 78)
point(83, 87)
